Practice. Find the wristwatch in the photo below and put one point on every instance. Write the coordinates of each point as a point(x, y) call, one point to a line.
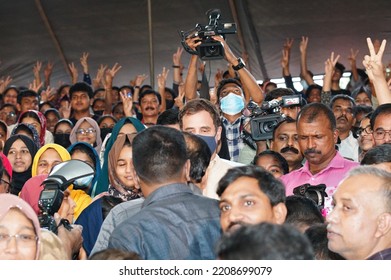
point(240, 64)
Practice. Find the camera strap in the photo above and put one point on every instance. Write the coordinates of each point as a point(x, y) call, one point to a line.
point(65, 223)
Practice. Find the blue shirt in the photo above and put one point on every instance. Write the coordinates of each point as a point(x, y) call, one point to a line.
point(173, 223)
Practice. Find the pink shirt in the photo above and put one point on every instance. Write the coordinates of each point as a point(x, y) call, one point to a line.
point(330, 176)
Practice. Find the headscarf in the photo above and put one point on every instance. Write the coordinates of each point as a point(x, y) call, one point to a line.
point(7, 165)
point(30, 128)
point(52, 248)
point(94, 124)
point(8, 201)
point(19, 178)
point(59, 149)
point(32, 190)
point(97, 161)
point(116, 188)
point(103, 181)
point(42, 121)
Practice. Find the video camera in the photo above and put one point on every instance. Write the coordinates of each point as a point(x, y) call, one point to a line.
point(59, 179)
point(209, 48)
point(266, 117)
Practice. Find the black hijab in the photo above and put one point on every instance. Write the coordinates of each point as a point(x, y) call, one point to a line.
point(19, 178)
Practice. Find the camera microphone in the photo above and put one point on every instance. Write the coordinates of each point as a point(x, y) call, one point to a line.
point(266, 105)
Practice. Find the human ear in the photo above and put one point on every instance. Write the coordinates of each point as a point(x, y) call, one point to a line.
point(279, 212)
point(383, 225)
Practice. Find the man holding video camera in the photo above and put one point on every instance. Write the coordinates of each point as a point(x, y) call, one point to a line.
point(317, 135)
point(230, 93)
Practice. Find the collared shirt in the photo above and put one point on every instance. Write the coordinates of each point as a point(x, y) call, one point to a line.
point(349, 147)
point(233, 132)
point(382, 255)
point(330, 176)
point(216, 170)
point(117, 215)
point(173, 223)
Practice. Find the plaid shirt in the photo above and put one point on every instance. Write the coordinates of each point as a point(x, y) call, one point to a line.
point(233, 132)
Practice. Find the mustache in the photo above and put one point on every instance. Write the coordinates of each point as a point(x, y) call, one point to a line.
point(343, 117)
point(235, 223)
point(287, 149)
point(149, 108)
point(311, 151)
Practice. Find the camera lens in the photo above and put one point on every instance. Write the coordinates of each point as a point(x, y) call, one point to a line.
point(212, 50)
point(269, 126)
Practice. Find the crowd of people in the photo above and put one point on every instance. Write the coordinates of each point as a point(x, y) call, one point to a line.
point(232, 170)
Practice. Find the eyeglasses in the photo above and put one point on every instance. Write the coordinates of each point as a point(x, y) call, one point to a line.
point(2, 181)
point(367, 129)
point(381, 133)
point(26, 240)
point(83, 131)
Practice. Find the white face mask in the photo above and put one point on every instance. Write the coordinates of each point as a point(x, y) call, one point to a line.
point(83, 182)
point(232, 104)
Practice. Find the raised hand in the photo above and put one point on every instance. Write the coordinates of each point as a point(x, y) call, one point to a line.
point(4, 83)
point(178, 101)
point(37, 68)
point(74, 72)
point(84, 62)
point(303, 44)
point(97, 81)
point(110, 74)
point(162, 78)
point(35, 86)
point(65, 110)
point(176, 57)
point(330, 63)
point(373, 62)
point(127, 101)
point(139, 80)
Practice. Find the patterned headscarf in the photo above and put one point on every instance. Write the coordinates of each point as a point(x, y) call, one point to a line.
point(116, 188)
point(42, 121)
point(29, 127)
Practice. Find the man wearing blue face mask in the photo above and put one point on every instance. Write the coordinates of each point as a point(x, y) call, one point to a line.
point(200, 117)
point(232, 94)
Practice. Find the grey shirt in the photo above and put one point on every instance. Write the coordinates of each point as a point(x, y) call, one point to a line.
point(173, 223)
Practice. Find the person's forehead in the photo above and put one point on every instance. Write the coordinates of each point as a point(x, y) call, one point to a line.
point(286, 128)
point(201, 119)
point(383, 121)
point(29, 98)
point(359, 187)
point(242, 187)
point(342, 102)
point(230, 85)
point(79, 93)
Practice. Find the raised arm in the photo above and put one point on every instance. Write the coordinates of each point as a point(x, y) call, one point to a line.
point(177, 66)
point(74, 72)
point(109, 77)
point(161, 79)
point(375, 70)
point(37, 72)
point(303, 61)
point(47, 72)
point(352, 60)
point(84, 64)
point(329, 66)
point(246, 77)
point(192, 77)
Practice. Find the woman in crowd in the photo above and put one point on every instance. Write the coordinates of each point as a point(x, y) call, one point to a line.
point(20, 150)
point(38, 120)
point(87, 130)
point(27, 130)
point(20, 231)
point(86, 153)
point(121, 188)
point(273, 162)
point(127, 125)
point(62, 132)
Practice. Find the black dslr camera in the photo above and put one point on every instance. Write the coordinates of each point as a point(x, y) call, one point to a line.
point(209, 48)
point(51, 197)
point(315, 193)
point(266, 117)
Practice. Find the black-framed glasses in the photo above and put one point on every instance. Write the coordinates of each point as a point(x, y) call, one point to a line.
point(83, 131)
point(381, 133)
point(367, 129)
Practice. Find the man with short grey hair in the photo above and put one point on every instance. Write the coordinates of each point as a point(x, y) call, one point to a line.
point(359, 226)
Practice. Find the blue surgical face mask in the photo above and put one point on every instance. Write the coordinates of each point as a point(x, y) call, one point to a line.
point(210, 140)
point(232, 104)
point(83, 182)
